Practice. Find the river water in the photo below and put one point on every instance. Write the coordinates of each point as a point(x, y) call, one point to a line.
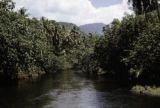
point(69, 90)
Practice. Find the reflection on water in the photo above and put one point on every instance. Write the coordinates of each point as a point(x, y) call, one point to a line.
point(67, 90)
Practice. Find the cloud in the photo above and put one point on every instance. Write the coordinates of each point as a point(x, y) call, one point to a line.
point(75, 11)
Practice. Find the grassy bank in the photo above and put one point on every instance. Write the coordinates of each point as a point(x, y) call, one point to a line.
point(146, 90)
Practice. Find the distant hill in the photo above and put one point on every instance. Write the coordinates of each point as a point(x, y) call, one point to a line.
point(92, 28)
point(67, 25)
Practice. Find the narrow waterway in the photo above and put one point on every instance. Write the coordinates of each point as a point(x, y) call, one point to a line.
point(69, 90)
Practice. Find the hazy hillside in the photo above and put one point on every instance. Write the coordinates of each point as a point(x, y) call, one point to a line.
point(67, 25)
point(92, 28)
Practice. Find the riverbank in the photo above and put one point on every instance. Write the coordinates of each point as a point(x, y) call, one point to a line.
point(146, 90)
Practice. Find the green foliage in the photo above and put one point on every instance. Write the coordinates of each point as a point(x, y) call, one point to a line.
point(145, 56)
point(130, 49)
point(26, 42)
point(85, 55)
point(145, 6)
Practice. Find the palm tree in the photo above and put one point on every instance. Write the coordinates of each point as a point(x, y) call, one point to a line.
point(23, 12)
point(145, 6)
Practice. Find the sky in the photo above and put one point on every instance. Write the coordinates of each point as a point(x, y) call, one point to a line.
point(76, 11)
point(104, 3)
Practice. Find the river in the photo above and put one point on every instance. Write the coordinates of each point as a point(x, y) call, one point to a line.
point(70, 90)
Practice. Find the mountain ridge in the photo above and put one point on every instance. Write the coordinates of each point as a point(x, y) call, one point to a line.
point(92, 28)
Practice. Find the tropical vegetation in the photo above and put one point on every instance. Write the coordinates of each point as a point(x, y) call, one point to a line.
point(129, 49)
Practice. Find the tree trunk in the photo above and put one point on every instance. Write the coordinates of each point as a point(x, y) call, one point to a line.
point(157, 8)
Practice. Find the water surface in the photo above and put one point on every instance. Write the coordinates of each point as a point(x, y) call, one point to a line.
point(69, 90)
